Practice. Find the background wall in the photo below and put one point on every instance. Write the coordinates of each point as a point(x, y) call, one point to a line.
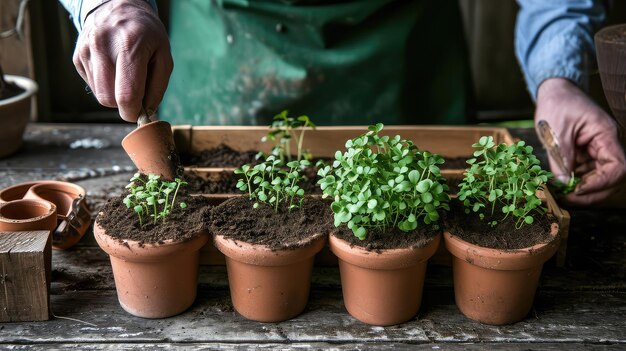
point(500, 92)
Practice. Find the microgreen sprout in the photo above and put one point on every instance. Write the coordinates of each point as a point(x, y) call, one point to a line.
point(503, 178)
point(282, 129)
point(562, 188)
point(152, 197)
point(272, 183)
point(384, 182)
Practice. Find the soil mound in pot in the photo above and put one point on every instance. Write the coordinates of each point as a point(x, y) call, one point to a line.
point(9, 90)
point(181, 225)
point(237, 219)
point(393, 238)
point(504, 236)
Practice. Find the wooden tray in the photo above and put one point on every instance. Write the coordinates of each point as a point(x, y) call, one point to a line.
point(447, 141)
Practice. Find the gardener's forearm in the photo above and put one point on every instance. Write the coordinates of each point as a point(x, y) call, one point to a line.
point(554, 39)
point(80, 9)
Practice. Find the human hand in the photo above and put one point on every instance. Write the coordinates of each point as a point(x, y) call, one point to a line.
point(123, 53)
point(588, 137)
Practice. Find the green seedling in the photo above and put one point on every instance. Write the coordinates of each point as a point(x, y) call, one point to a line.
point(562, 188)
point(383, 182)
point(503, 178)
point(272, 182)
point(283, 129)
point(152, 197)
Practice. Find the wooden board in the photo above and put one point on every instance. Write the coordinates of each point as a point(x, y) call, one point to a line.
point(24, 276)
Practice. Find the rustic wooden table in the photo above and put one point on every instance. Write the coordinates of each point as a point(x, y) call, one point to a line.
point(581, 306)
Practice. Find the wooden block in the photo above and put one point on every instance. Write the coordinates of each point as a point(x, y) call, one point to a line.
point(25, 261)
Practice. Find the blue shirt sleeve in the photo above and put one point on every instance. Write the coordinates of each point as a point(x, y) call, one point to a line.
point(79, 9)
point(554, 38)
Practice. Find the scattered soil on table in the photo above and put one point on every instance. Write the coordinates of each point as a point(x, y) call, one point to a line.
point(220, 156)
point(9, 90)
point(378, 240)
point(181, 225)
point(472, 229)
point(238, 220)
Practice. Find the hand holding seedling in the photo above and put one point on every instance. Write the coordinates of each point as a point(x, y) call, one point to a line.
point(123, 53)
point(588, 140)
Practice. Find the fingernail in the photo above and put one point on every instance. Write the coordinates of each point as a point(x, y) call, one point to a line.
point(580, 190)
point(563, 178)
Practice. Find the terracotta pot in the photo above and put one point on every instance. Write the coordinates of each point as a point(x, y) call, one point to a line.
point(497, 286)
point(382, 288)
point(15, 114)
point(611, 53)
point(151, 148)
point(266, 285)
point(153, 281)
point(73, 215)
point(28, 215)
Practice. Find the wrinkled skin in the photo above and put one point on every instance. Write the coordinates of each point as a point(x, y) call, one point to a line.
point(589, 140)
point(123, 53)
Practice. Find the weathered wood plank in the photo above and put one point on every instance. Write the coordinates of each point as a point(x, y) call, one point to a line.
point(585, 317)
point(24, 276)
point(392, 346)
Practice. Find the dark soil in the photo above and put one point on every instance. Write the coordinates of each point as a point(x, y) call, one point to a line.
point(9, 90)
point(226, 183)
point(220, 156)
point(181, 225)
point(236, 219)
point(455, 162)
point(471, 228)
point(378, 240)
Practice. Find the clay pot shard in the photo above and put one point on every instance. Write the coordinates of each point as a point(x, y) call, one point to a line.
point(151, 148)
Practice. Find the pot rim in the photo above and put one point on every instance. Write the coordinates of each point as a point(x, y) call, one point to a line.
point(139, 129)
point(262, 255)
point(28, 185)
point(30, 88)
point(27, 202)
point(386, 259)
point(500, 259)
point(132, 250)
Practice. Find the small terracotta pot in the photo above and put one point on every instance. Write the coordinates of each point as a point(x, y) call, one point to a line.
point(382, 288)
point(16, 192)
point(71, 208)
point(15, 114)
point(153, 281)
point(266, 285)
point(151, 148)
point(497, 286)
point(28, 215)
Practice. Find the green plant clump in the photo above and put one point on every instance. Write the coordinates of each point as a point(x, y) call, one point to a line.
point(503, 178)
point(283, 129)
point(272, 183)
point(149, 197)
point(383, 182)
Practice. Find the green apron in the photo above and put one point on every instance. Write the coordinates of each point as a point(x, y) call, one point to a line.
point(240, 62)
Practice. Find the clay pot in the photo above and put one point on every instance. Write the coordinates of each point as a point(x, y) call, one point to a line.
point(15, 114)
point(611, 53)
point(266, 285)
point(382, 288)
point(497, 286)
point(73, 213)
point(28, 215)
point(151, 148)
point(73, 216)
point(153, 281)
